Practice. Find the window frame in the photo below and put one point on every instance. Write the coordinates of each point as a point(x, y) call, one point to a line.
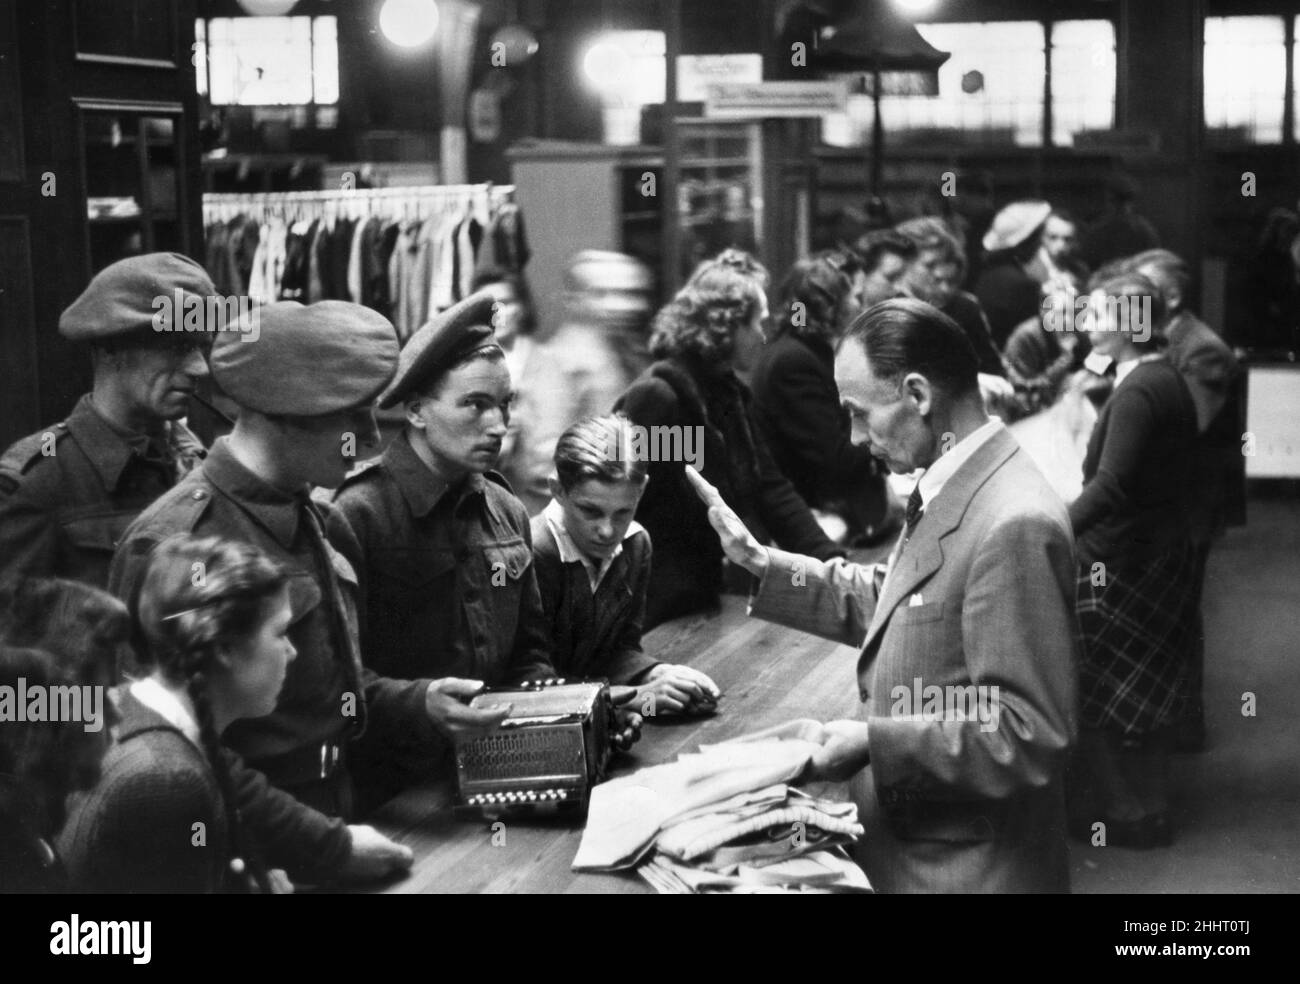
point(312, 24)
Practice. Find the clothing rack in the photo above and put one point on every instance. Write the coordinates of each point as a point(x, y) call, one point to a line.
point(416, 202)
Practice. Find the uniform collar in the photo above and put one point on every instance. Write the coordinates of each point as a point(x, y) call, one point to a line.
point(420, 487)
point(108, 447)
point(278, 511)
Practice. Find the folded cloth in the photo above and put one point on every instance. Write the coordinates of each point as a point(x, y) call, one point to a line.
point(827, 871)
point(700, 835)
point(772, 846)
point(627, 813)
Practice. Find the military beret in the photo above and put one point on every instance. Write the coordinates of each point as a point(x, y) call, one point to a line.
point(441, 344)
point(306, 361)
point(123, 298)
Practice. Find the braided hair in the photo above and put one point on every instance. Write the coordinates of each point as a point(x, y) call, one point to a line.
point(198, 595)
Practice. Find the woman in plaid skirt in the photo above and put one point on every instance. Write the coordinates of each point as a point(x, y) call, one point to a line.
point(1134, 594)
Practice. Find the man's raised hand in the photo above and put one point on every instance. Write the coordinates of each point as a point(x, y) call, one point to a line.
point(738, 543)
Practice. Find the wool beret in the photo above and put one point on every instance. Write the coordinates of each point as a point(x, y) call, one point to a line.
point(306, 360)
point(124, 297)
point(1014, 224)
point(440, 344)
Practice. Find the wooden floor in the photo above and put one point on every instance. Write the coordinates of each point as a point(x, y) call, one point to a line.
point(1236, 806)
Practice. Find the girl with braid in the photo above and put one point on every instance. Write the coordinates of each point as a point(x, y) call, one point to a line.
point(214, 617)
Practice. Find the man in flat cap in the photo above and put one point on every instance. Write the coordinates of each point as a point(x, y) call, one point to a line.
point(445, 549)
point(69, 491)
point(306, 390)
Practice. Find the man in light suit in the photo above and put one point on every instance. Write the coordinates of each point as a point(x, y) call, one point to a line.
point(977, 601)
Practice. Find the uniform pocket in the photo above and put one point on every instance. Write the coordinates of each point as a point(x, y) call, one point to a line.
point(507, 561)
point(102, 532)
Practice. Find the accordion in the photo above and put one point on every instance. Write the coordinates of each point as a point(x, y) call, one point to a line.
point(546, 755)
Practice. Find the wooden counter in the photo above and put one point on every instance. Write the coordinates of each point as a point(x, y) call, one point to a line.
point(768, 674)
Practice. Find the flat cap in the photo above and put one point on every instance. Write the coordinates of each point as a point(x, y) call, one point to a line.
point(306, 361)
point(123, 298)
point(444, 341)
point(1014, 224)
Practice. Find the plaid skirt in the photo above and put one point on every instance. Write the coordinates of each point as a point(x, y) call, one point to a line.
point(1135, 638)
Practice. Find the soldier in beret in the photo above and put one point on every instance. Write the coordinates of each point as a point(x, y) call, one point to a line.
point(68, 492)
point(306, 390)
point(445, 553)
point(445, 547)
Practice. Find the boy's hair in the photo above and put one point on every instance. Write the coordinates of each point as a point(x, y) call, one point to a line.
point(596, 447)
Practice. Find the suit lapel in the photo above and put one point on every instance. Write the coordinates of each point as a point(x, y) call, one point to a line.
point(923, 555)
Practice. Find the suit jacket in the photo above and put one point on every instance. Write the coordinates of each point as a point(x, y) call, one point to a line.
point(1210, 370)
point(958, 805)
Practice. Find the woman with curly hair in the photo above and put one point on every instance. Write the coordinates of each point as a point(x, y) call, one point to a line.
point(797, 402)
point(699, 340)
point(214, 616)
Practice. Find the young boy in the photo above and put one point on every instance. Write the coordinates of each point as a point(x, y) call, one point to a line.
point(593, 567)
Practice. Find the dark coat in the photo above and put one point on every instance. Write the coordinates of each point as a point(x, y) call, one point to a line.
point(964, 309)
point(1008, 296)
point(686, 574)
point(447, 588)
point(1137, 470)
point(595, 634)
point(1218, 467)
point(68, 493)
point(133, 832)
point(797, 405)
point(223, 498)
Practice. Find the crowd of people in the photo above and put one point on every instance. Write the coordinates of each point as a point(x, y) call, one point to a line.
point(294, 619)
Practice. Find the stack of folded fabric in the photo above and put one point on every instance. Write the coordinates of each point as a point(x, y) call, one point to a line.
point(726, 820)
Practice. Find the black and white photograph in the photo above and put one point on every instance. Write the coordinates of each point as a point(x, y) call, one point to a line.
point(660, 447)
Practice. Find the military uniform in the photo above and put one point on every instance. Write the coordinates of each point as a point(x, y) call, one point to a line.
point(448, 583)
point(68, 493)
point(309, 361)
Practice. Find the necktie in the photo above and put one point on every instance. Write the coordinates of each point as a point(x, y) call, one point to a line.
point(344, 640)
point(914, 508)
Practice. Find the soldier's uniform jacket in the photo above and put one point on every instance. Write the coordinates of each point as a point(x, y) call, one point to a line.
point(68, 493)
point(448, 588)
point(448, 584)
point(314, 713)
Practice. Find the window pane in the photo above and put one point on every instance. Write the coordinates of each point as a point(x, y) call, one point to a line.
point(325, 59)
point(260, 61)
point(1245, 76)
point(1008, 108)
point(200, 58)
point(1083, 78)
